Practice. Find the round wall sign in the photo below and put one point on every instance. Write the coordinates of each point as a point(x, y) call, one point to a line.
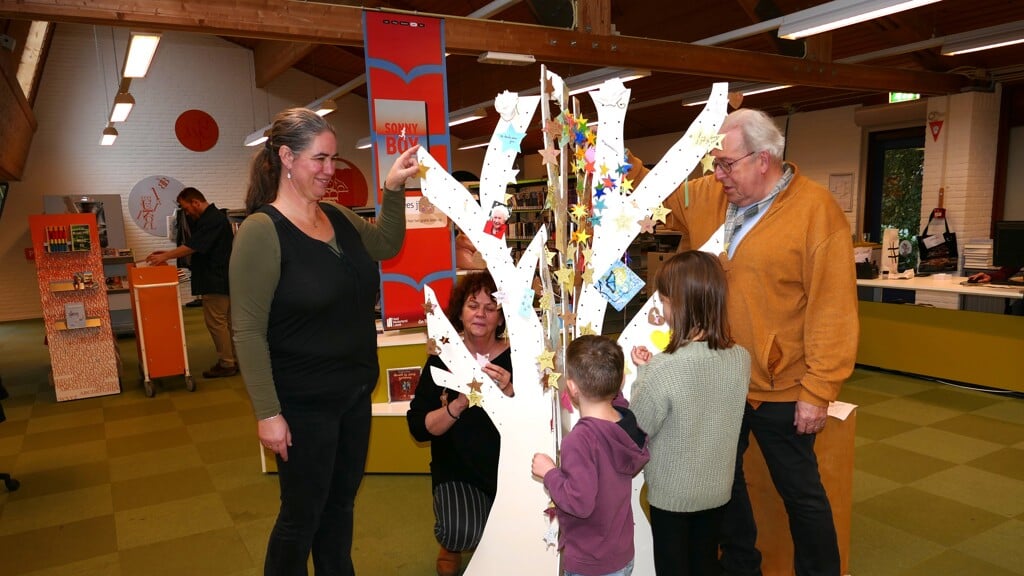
point(152, 201)
point(348, 186)
point(196, 130)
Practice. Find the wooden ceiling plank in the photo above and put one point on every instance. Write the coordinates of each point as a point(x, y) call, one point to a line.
point(272, 58)
point(594, 17)
point(333, 24)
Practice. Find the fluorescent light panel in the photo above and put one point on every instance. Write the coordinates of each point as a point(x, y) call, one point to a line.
point(141, 48)
point(474, 143)
point(840, 13)
point(593, 79)
point(508, 58)
point(123, 104)
point(465, 115)
point(984, 39)
point(364, 143)
point(109, 135)
point(700, 97)
point(258, 137)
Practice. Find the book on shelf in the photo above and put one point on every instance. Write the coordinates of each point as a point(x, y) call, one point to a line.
point(74, 314)
point(402, 383)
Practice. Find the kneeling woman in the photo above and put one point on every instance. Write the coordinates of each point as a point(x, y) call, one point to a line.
point(464, 444)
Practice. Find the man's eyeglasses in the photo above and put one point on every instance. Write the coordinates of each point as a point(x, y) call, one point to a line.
point(726, 166)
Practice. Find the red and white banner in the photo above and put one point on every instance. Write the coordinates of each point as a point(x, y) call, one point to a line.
point(406, 80)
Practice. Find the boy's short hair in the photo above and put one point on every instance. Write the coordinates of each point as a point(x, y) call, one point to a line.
point(595, 364)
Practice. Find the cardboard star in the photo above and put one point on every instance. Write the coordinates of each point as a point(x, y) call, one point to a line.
point(646, 225)
point(581, 123)
point(625, 166)
point(588, 275)
point(445, 340)
point(549, 155)
point(591, 137)
point(500, 297)
point(568, 318)
point(604, 169)
point(581, 153)
point(623, 222)
point(475, 399)
point(553, 379)
point(510, 139)
point(608, 182)
point(707, 163)
point(546, 302)
point(626, 185)
point(549, 256)
point(553, 128)
point(421, 173)
point(595, 220)
point(587, 330)
point(428, 307)
point(551, 536)
point(565, 276)
point(660, 213)
point(717, 145)
point(550, 511)
point(578, 211)
point(580, 236)
point(599, 205)
point(475, 385)
point(546, 360)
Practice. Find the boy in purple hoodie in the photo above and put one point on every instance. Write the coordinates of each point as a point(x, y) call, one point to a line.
point(600, 456)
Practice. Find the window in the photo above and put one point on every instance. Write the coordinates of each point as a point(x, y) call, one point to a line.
point(894, 179)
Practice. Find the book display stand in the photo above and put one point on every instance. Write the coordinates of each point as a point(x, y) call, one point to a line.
point(69, 267)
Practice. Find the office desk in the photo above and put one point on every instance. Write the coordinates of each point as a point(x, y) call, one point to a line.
point(945, 284)
point(960, 345)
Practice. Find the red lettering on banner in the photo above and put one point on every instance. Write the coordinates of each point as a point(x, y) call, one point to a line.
point(397, 144)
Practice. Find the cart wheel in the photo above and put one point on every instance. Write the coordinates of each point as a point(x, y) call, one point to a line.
point(190, 384)
point(150, 392)
point(12, 484)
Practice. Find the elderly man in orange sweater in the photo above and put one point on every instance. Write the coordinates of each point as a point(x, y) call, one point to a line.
point(793, 304)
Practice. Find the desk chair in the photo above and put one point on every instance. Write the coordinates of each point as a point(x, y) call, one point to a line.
point(10, 483)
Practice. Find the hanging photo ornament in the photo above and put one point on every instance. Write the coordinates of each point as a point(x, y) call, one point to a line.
point(618, 285)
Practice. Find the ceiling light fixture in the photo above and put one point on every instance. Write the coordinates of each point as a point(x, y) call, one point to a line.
point(123, 104)
point(258, 137)
point(363, 143)
point(840, 13)
point(141, 48)
point(984, 39)
point(474, 143)
point(326, 107)
point(109, 135)
point(465, 115)
point(593, 79)
point(507, 58)
point(700, 97)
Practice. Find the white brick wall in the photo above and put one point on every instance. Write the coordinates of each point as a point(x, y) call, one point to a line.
point(962, 161)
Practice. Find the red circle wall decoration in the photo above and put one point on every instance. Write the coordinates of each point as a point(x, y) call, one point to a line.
point(196, 130)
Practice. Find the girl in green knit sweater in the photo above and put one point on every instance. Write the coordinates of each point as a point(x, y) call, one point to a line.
point(690, 401)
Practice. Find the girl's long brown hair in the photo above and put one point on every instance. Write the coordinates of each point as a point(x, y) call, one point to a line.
point(694, 283)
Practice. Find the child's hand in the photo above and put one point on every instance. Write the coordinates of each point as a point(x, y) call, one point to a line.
point(542, 464)
point(640, 355)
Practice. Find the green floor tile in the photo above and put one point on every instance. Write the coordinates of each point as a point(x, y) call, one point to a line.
point(897, 464)
point(1009, 462)
point(940, 520)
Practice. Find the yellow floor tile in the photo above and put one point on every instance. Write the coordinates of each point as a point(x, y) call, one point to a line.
point(147, 441)
point(160, 488)
point(58, 546)
point(58, 422)
point(154, 462)
point(169, 520)
point(942, 445)
point(28, 514)
point(941, 520)
point(897, 464)
point(1000, 546)
point(213, 552)
point(143, 424)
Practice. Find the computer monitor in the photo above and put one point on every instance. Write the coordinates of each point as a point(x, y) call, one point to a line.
point(1008, 244)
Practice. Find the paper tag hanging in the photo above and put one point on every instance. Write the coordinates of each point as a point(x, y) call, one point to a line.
point(618, 285)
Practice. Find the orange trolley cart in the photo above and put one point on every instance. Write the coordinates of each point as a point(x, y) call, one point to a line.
point(159, 325)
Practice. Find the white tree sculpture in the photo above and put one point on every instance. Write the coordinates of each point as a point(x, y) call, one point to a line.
point(520, 535)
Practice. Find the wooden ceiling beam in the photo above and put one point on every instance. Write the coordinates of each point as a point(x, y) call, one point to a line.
point(335, 24)
point(272, 58)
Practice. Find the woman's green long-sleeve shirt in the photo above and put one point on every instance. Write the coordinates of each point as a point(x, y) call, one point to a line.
point(254, 274)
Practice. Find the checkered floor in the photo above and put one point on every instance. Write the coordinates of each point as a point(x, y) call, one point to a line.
point(127, 485)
